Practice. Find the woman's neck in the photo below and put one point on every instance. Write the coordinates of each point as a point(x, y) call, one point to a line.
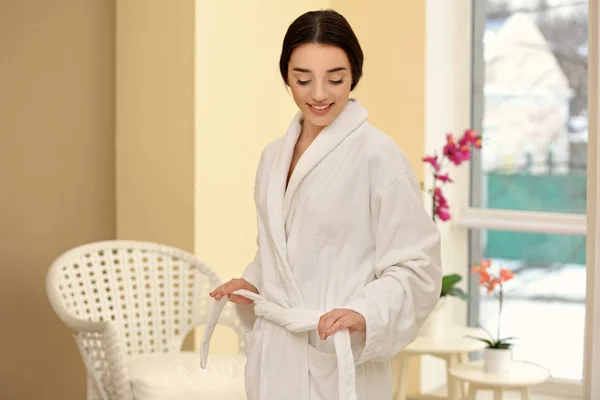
point(309, 131)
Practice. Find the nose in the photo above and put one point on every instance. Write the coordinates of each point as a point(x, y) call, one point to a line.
point(319, 92)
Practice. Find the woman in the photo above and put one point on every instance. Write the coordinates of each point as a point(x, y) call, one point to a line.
point(345, 245)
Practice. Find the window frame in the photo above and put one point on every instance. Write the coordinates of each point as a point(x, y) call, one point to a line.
point(591, 370)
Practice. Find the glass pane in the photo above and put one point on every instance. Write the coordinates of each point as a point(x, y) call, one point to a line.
point(532, 69)
point(544, 305)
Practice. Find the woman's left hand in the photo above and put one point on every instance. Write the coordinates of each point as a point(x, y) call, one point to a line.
point(337, 319)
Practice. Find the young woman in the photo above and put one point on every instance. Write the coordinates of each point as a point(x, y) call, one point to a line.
point(348, 260)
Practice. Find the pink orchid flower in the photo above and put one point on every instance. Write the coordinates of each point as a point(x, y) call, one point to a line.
point(457, 152)
point(433, 161)
point(443, 177)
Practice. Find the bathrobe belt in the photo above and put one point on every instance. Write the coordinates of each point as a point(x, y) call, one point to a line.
point(294, 320)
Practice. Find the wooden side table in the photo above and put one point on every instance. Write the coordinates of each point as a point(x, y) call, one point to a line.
point(454, 348)
point(520, 377)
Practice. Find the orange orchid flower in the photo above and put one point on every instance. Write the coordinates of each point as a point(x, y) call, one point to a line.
point(506, 275)
point(488, 281)
point(484, 277)
point(492, 285)
point(482, 267)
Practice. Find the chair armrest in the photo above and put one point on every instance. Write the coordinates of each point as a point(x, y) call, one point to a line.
point(100, 348)
point(102, 353)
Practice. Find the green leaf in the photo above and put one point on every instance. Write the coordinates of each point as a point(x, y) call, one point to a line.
point(448, 281)
point(489, 342)
point(506, 340)
point(457, 292)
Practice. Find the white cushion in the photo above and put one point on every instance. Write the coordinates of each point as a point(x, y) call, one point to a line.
point(178, 376)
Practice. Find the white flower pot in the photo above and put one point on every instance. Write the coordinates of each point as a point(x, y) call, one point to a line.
point(497, 360)
point(435, 325)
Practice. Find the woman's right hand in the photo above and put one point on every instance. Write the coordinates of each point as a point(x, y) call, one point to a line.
point(232, 286)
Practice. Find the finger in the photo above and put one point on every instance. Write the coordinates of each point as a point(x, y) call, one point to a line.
point(234, 298)
point(327, 320)
point(322, 321)
point(224, 290)
point(342, 323)
point(230, 287)
point(215, 291)
point(218, 292)
point(329, 323)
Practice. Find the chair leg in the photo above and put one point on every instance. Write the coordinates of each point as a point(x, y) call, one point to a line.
point(463, 358)
point(525, 395)
point(403, 363)
point(497, 394)
point(452, 383)
point(472, 392)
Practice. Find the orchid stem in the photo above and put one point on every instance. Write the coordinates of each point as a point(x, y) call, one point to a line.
point(501, 298)
point(433, 199)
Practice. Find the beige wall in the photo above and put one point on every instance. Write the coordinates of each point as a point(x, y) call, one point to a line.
point(56, 176)
point(392, 35)
point(155, 121)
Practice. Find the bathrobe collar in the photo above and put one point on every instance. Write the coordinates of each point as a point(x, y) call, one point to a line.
point(279, 199)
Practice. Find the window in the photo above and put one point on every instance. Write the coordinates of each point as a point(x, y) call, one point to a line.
point(528, 184)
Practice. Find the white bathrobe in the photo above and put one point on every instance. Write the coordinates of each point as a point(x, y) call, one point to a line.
point(349, 232)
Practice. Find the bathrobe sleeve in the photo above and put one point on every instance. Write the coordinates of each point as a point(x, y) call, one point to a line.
point(253, 271)
point(252, 274)
point(408, 271)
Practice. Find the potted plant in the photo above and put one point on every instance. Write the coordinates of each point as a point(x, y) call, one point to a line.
point(456, 153)
point(497, 357)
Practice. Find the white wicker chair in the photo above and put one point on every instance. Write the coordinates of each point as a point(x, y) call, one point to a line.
point(130, 302)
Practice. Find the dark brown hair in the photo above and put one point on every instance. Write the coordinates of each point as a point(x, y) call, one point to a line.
point(324, 27)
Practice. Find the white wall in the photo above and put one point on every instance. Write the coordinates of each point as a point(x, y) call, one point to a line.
point(447, 109)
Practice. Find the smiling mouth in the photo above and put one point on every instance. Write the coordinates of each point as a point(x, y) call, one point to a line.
point(320, 107)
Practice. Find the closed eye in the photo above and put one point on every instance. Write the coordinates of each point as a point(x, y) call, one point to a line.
point(338, 82)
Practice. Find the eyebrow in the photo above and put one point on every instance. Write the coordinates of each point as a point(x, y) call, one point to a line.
point(329, 70)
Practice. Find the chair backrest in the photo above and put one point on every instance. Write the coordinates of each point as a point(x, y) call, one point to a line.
point(153, 294)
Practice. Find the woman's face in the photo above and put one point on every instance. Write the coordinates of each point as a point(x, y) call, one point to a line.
point(320, 77)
